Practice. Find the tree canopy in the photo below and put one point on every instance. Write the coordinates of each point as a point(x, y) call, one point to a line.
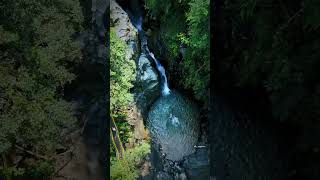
point(36, 50)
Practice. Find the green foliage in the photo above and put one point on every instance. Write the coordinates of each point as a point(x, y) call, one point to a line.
point(125, 131)
point(12, 171)
point(171, 15)
point(163, 8)
point(186, 22)
point(41, 169)
point(197, 64)
point(127, 168)
point(36, 49)
point(122, 73)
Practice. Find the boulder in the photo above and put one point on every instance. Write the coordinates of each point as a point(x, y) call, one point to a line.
point(147, 86)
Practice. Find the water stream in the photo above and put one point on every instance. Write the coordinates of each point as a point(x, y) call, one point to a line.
point(172, 119)
point(239, 147)
point(144, 46)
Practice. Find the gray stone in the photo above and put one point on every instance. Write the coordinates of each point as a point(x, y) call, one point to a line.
point(123, 27)
point(147, 86)
point(147, 75)
point(197, 165)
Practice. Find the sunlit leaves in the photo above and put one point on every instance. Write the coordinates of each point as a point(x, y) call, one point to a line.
point(122, 73)
point(126, 168)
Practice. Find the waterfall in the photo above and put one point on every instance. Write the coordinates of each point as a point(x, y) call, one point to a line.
point(165, 87)
point(144, 46)
point(139, 24)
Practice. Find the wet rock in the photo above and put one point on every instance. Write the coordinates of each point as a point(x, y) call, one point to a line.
point(197, 165)
point(147, 86)
point(181, 176)
point(147, 75)
point(149, 32)
point(145, 169)
point(163, 176)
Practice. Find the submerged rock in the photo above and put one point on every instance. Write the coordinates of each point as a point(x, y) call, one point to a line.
point(163, 176)
point(197, 165)
point(173, 123)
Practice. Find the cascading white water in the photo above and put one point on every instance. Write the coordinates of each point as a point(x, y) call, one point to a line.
point(139, 24)
point(144, 46)
point(165, 88)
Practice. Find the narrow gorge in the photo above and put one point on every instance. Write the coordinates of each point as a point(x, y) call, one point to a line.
point(172, 119)
point(187, 140)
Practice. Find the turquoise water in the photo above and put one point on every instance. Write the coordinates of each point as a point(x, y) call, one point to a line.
point(173, 123)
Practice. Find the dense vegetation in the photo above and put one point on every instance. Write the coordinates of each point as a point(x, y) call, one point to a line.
point(185, 24)
point(122, 75)
point(273, 47)
point(36, 50)
point(126, 168)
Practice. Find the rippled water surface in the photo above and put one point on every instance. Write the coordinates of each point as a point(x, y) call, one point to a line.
point(173, 123)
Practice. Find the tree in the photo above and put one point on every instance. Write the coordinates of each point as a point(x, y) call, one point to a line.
point(122, 73)
point(36, 50)
point(126, 168)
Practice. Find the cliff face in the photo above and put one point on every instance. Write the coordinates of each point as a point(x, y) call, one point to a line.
point(146, 85)
point(124, 29)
